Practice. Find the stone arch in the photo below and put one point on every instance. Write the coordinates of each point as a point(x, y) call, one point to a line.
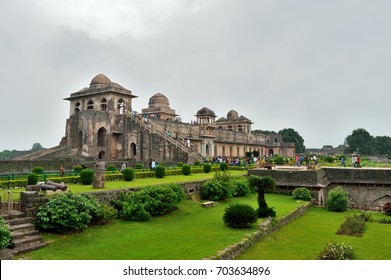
point(271, 152)
point(101, 155)
point(77, 107)
point(230, 127)
point(102, 137)
point(90, 105)
point(379, 202)
point(223, 151)
point(207, 149)
point(103, 104)
point(133, 149)
point(240, 128)
point(121, 106)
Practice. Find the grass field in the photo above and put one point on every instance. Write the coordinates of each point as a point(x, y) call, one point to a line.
point(304, 238)
point(189, 233)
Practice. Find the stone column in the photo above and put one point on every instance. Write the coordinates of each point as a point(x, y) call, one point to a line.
point(99, 175)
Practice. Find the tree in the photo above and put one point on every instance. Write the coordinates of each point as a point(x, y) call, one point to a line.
point(37, 147)
point(383, 145)
point(263, 184)
point(291, 135)
point(360, 141)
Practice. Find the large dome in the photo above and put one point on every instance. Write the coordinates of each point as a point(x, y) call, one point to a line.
point(158, 100)
point(100, 79)
point(232, 115)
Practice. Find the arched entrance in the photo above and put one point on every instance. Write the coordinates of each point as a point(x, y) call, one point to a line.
point(102, 137)
point(101, 155)
point(207, 149)
point(133, 149)
point(271, 152)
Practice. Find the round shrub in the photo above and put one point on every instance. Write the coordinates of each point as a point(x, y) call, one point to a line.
point(215, 190)
point(87, 176)
point(128, 174)
point(77, 169)
point(138, 166)
point(223, 166)
point(160, 171)
point(111, 167)
point(337, 200)
point(335, 251)
point(67, 212)
point(279, 160)
point(302, 194)
point(37, 169)
point(239, 216)
point(32, 179)
point(179, 164)
point(186, 169)
point(207, 167)
point(5, 235)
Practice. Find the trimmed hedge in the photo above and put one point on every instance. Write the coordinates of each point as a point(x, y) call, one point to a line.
point(128, 174)
point(186, 169)
point(32, 179)
point(160, 171)
point(207, 167)
point(87, 176)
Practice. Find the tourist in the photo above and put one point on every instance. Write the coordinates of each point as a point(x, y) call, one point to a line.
point(123, 166)
point(314, 160)
point(62, 170)
point(297, 160)
point(153, 165)
point(342, 162)
point(358, 161)
point(353, 161)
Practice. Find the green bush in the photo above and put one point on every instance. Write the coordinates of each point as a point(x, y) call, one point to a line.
point(5, 235)
point(223, 166)
point(186, 169)
point(67, 212)
point(111, 167)
point(87, 176)
point(179, 164)
point(197, 163)
point(138, 166)
point(77, 169)
point(160, 171)
point(337, 200)
point(328, 159)
point(37, 169)
point(207, 167)
point(107, 214)
point(242, 187)
point(128, 174)
point(353, 225)
point(149, 201)
point(239, 216)
point(302, 194)
point(32, 179)
point(216, 190)
point(335, 251)
point(279, 160)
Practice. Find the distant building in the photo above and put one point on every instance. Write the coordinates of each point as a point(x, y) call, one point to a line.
point(326, 150)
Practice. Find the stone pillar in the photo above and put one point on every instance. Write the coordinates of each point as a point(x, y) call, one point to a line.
point(99, 175)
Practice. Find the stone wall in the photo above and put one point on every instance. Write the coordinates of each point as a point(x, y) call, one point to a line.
point(267, 227)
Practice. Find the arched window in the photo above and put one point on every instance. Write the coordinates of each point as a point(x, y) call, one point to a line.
point(102, 133)
point(223, 151)
point(271, 152)
point(240, 128)
point(121, 106)
point(133, 148)
point(90, 105)
point(230, 127)
point(101, 155)
point(207, 149)
point(77, 107)
point(103, 104)
point(230, 151)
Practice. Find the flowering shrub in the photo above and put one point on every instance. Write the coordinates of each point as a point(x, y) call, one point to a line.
point(335, 251)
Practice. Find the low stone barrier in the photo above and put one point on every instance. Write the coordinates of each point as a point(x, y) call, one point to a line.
point(265, 228)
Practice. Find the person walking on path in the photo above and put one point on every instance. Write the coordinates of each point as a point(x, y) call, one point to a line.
point(342, 162)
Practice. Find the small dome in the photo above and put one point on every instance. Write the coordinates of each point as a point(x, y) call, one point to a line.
point(100, 79)
point(232, 115)
point(158, 100)
point(206, 112)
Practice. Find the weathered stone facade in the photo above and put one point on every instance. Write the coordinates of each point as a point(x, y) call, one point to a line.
point(103, 126)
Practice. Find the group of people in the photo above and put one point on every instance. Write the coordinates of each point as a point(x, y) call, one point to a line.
point(300, 160)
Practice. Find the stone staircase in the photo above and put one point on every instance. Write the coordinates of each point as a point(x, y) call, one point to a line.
point(25, 237)
point(178, 143)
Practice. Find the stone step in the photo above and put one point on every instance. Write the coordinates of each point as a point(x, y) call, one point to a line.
point(19, 221)
point(13, 215)
point(20, 234)
point(31, 247)
point(21, 227)
point(25, 241)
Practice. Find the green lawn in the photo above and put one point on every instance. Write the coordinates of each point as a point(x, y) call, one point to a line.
point(189, 233)
point(304, 238)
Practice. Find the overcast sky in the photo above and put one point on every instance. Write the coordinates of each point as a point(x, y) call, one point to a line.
point(319, 67)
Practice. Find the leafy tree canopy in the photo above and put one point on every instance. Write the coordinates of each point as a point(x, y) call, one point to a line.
point(291, 135)
point(360, 141)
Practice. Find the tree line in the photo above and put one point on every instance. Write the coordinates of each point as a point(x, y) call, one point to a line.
point(362, 142)
point(8, 154)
